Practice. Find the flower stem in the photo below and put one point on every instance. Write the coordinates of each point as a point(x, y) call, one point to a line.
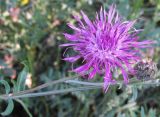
point(86, 86)
point(41, 86)
point(49, 92)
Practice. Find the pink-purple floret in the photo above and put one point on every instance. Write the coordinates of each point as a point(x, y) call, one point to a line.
point(105, 44)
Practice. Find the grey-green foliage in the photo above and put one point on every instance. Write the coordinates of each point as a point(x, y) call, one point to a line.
point(45, 62)
point(24, 106)
point(17, 86)
point(22, 78)
point(10, 104)
point(21, 86)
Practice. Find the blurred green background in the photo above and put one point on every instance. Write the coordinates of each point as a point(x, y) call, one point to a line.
point(31, 31)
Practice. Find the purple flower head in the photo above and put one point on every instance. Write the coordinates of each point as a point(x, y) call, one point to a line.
point(105, 44)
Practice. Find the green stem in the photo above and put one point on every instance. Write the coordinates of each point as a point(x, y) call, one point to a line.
point(87, 86)
point(49, 92)
point(43, 86)
point(96, 84)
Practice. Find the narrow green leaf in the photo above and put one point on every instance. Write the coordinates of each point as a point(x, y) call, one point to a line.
point(22, 78)
point(9, 108)
point(135, 93)
point(6, 85)
point(152, 113)
point(132, 113)
point(119, 115)
point(10, 105)
point(142, 112)
point(25, 107)
point(15, 88)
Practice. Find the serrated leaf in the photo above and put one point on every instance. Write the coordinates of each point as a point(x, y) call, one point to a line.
point(9, 108)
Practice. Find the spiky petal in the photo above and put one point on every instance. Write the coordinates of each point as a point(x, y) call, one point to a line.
point(105, 44)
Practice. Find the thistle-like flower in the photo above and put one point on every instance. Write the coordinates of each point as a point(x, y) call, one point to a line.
point(105, 44)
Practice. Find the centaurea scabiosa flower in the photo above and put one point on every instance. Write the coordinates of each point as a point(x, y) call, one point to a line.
point(105, 44)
